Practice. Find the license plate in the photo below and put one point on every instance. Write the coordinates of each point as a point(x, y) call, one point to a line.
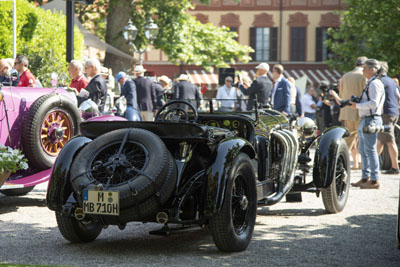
point(101, 202)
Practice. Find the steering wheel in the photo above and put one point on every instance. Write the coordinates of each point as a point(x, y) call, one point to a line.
point(176, 113)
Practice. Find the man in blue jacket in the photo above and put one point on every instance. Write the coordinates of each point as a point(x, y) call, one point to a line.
point(281, 93)
point(128, 90)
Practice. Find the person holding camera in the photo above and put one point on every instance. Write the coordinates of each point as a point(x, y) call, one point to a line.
point(370, 107)
point(389, 117)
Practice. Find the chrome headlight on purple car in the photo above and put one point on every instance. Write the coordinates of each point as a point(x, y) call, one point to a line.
point(89, 109)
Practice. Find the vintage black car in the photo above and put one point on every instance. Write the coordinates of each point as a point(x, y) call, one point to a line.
point(192, 168)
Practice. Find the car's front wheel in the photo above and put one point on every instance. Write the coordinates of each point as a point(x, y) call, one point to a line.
point(233, 226)
point(77, 231)
point(335, 196)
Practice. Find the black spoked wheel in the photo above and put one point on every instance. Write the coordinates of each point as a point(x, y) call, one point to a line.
point(17, 191)
point(233, 226)
point(335, 196)
point(77, 231)
point(132, 154)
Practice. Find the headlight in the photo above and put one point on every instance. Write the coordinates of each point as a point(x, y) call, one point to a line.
point(306, 127)
point(120, 103)
point(89, 109)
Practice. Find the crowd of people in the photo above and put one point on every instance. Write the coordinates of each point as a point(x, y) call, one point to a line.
point(372, 99)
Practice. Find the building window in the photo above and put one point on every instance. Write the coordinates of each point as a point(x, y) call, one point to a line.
point(298, 44)
point(235, 29)
point(264, 41)
point(322, 51)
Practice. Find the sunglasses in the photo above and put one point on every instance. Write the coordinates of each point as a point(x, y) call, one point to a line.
point(16, 63)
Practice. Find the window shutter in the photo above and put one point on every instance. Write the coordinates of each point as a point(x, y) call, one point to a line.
point(297, 43)
point(253, 43)
point(318, 45)
point(273, 48)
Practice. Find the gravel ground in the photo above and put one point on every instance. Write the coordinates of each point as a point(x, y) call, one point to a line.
point(286, 234)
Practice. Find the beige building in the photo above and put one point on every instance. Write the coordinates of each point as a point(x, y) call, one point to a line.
point(290, 32)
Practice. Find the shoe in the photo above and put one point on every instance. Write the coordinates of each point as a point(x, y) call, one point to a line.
point(359, 183)
point(392, 171)
point(370, 185)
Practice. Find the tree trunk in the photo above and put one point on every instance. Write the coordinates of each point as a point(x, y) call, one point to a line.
point(119, 13)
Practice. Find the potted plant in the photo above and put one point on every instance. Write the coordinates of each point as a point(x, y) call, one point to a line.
point(11, 160)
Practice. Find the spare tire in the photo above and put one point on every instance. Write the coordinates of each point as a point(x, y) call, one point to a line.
point(134, 162)
point(51, 121)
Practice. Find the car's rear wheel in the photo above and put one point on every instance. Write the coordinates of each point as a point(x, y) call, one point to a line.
point(50, 123)
point(233, 226)
point(335, 196)
point(17, 191)
point(77, 231)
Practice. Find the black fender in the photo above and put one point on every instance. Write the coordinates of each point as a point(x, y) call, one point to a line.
point(218, 172)
point(325, 156)
point(59, 188)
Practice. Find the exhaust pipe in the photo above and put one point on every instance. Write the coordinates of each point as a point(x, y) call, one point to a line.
point(78, 214)
point(162, 217)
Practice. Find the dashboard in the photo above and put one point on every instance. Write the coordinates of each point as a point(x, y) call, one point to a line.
point(240, 127)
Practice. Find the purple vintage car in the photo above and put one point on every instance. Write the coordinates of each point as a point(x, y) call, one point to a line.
point(39, 121)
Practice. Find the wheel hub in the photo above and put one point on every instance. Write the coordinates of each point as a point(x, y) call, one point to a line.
point(244, 203)
point(55, 133)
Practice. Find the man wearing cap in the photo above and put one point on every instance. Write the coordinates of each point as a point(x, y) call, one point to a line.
point(260, 88)
point(146, 94)
point(185, 90)
point(26, 78)
point(225, 92)
point(97, 86)
point(128, 90)
point(162, 88)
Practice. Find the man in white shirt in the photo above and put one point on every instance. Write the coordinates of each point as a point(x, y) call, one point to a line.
point(226, 96)
point(308, 104)
point(370, 110)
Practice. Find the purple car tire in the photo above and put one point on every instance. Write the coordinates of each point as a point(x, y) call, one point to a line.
point(51, 122)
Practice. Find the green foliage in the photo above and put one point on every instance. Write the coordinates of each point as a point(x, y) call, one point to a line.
point(370, 28)
point(93, 16)
point(184, 39)
point(11, 160)
point(206, 45)
point(41, 36)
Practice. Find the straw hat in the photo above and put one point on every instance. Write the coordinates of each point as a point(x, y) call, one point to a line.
point(139, 69)
point(104, 71)
point(164, 79)
point(183, 77)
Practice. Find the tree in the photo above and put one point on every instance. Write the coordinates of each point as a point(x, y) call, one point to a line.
point(370, 28)
point(183, 39)
point(40, 36)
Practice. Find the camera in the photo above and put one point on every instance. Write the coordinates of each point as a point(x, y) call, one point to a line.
point(373, 128)
point(353, 98)
point(325, 87)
